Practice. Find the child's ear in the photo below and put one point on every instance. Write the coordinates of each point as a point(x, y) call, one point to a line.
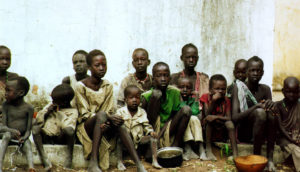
point(21, 93)
point(149, 61)
point(181, 57)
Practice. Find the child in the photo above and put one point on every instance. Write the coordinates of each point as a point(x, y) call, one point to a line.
point(193, 132)
point(289, 120)
point(80, 67)
point(189, 57)
point(137, 124)
point(5, 59)
point(254, 123)
point(96, 122)
point(217, 115)
point(56, 123)
point(162, 104)
point(239, 72)
point(143, 80)
point(17, 119)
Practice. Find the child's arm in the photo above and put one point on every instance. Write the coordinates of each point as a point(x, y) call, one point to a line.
point(3, 128)
point(29, 124)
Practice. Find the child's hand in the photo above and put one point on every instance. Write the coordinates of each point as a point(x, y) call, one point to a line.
point(105, 126)
point(22, 140)
point(153, 134)
point(210, 118)
point(15, 134)
point(260, 105)
point(116, 120)
point(216, 96)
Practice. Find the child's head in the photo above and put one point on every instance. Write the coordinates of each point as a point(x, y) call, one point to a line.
point(79, 62)
point(140, 60)
point(240, 69)
point(255, 69)
point(218, 84)
point(96, 62)
point(161, 75)
point(5, 58)
point(16, 88)
point(189, 56)
point(186, 87)
point(290, 89)
point(62, 95)
point(132, 96)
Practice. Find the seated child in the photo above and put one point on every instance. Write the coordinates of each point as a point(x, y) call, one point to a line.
point(17, 119)
point(239, 72)
point(80, 67)
point(217, 115)
point(5, 59)
point(97, 123)
point(193, 133)
point(143, 80)
point(56, 124)
point(162, 104)
point(289, 120)
point(137, 124)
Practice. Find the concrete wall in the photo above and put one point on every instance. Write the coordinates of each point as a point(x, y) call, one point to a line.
point(43, 35)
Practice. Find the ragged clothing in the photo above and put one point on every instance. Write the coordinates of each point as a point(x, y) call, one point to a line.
point(89, 102)
point(294, 150)
point(56, 121)
point(137, 125)
point(73, 82)
point(193, 131)
point(245, 96)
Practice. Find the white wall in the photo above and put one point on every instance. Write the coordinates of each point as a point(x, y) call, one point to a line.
point(43, 35)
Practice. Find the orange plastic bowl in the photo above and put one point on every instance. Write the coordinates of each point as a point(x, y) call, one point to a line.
point(250, 163)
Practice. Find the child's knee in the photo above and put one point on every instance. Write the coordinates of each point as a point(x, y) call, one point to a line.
point(102, 116)
point(186, 110)
point(69, 131)
point(156, 94)
point(229, 125)
point(260, 114)
point(36, 129)
point(7, 136)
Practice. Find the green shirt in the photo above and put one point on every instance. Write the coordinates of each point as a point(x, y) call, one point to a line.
point(169, 105)
point(194, 105)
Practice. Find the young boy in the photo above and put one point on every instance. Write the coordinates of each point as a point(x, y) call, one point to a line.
point(162, 104)
point(56, 123)
point(137, 124)
point(239, 72)
point(80, 67)
point(193, 133)
point(189, 57)
point(248, 111)
point(5, 61)
point(289, 120)
point(17, 119)
point(143, 80)
point(217, 115)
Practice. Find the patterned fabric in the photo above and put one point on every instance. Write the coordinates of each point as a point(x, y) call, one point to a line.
point(137, 125)
point(244, 95)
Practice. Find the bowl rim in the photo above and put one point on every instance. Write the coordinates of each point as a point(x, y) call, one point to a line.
point(159, 151)
point(266, 160)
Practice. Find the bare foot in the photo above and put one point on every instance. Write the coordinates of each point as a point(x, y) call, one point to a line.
point(93, 167)
point(156, 165)
point(203, 156)
point(189, 155)
point(270, 166)
point(121, 166)
point(140, 168)
point(210, 156)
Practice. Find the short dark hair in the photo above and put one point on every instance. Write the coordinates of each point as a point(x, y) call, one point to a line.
point(140, 49)
point(63, 91)
point(4, 47)
point(255, 59)
point(216, 77)
point(187, 46)
point(159, 64)
point(128, 88)
point(22, 84)
point(239, 61)
point(184, 77)
point(91, 54)
point(80, 52)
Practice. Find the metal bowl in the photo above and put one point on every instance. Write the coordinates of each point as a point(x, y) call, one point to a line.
point(250, 163)
point(169, 157)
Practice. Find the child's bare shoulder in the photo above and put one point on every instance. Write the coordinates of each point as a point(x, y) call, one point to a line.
point(12, 75)
point(264, 87)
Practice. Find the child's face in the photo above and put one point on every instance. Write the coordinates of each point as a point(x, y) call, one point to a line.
point(140, 61)
point(185, 87)
point(218, 86)
point(98, 66)
point(161, 77)
point(11, 91)
point(240, 71)
point(79, 63)
point(133, 99)
point(190, 58)
point(4, 59)
point(255, 71)
point(291, 92)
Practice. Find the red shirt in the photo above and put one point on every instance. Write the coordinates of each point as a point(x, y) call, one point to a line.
point(221, 108)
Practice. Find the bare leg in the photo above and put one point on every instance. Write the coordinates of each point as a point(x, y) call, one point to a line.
point(209, 154)
point(202, 152)
point(153, 106)
point(37, 138)
point(127, 141)
point(189, 153)
point(5, 140)
point(28, 151)
point(69, 134)
point(258, 128)
point(231, 132)
point(153, 143)
point(179, 124)
point(271, 137)
point(119, 150)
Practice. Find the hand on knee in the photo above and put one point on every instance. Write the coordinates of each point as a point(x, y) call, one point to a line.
point(260, 114)
point(229, 125)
